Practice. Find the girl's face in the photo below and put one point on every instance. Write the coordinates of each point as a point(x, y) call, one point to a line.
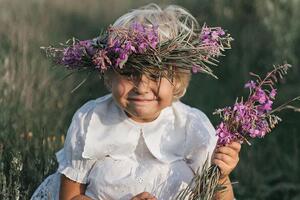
point(141, 98)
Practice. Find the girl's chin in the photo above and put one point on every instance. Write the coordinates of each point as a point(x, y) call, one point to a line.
point(142, 116)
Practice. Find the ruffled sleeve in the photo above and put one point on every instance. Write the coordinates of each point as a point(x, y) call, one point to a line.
point(201, 139)
point(70, 160)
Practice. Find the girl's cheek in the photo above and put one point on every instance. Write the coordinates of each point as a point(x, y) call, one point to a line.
point(121, 88)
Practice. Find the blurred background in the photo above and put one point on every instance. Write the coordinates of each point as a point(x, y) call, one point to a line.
point(36, 103)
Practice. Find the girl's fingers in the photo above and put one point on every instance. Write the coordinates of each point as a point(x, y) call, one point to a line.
point(231, 149)
point(226, 150)
point(235, 145)
point(222, 165)
point(144, 195)
point(225, 158)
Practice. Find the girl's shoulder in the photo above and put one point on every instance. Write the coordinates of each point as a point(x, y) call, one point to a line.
point(103, 107)
point(92, 104)
point(83, 122)
point(84, 116)
point(199, 129)
point(191, 114)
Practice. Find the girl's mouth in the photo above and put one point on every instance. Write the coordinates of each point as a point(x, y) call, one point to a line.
point(138, 100)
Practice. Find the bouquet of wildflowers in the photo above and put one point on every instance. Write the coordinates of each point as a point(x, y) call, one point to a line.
point(252, 117)
point(140, 48)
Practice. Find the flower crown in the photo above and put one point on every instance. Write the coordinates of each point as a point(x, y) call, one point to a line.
point(139, 47)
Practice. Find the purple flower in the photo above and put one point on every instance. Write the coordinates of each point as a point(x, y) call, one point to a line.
point(245, 118)
point(138, 39)
point(214, 35)
point(144, 36)
point(267, 106)
point(239, 107)
point(252, 117)
point(210, 39)
point(129, 47)
point(220, 31)
point(195, 69)
point(254, 133)
point(251, 84)
point(223, 133)
point(87, 44)
point(225, 136)
point(262, 127)
point(138, 27)
point(121, 60)
point(152, 36)
point(142, 47)
point(273, 93)
point(205, 34)
point(101, 60)
point(72, 56)
point(260, 96)
point(114, 43)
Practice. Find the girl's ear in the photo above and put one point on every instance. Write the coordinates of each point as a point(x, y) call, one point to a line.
point(181, 82)
point(178, 92)
point(176, 89)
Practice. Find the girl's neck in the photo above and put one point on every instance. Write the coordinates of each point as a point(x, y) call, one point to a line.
point(142, 119)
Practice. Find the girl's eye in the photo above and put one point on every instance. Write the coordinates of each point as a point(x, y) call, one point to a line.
point(130, 75)
point(135, 75)
point(126, 74)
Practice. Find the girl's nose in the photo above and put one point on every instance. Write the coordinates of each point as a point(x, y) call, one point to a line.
point(142, 85)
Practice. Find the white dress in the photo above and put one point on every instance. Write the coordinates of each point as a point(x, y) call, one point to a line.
point(119, 158)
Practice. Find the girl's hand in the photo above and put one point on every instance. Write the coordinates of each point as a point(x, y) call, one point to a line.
point(144, 196)
point(227, 157)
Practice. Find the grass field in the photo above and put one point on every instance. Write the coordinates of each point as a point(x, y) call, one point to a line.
point(36, 104)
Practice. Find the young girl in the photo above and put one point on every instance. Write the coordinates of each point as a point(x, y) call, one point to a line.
point(140, 141)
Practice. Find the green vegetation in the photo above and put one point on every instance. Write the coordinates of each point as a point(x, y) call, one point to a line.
point(36, 105)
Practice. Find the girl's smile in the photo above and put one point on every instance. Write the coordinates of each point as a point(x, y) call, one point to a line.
point(140, 101)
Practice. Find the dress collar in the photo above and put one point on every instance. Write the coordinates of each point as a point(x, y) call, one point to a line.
point(110, 132)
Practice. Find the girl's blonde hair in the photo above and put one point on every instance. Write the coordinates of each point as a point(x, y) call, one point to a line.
point(171, 21)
